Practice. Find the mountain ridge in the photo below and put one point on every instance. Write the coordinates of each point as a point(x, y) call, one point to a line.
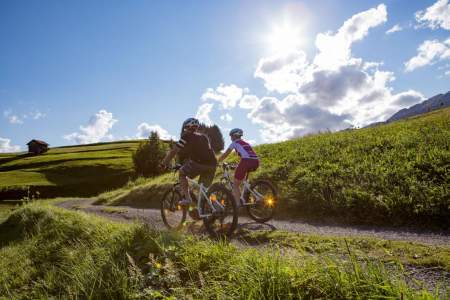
point(431, 104)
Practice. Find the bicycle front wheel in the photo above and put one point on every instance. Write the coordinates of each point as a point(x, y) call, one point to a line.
point(173, 214)
point(223, 221)
point(262, 201)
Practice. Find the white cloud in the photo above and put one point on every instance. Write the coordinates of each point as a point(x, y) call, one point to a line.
point(227, 95)
point(14, 119)
point(288, 72)
point(5, 146)
point(408, 98)
point(428, 53)
point(447, 73)
point(36, 115)
point(290, 117)
point(435, 16)
point(395, 28)
point(226, 117)
point(372, 65)
point(283, 72)
point(248, 102)
point(97, 129)
point(145, 129)
point(333, 92)
point(335, 49)
point(203, 113)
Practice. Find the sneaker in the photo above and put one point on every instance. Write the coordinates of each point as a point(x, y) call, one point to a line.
point(185, 202)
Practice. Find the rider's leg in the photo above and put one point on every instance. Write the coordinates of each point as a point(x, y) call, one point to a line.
point(184, 185)
point(237, 191)
point(207, 175)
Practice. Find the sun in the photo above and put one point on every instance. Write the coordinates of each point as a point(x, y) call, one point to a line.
point(284, 37)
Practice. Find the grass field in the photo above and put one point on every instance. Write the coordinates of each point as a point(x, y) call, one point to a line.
point(49, 252)
point(391, 174)
point(67, 171)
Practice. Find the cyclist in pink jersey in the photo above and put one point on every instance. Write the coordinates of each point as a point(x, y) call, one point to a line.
point(249, 160)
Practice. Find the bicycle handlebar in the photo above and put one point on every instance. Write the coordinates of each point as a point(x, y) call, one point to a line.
point(228, 166)
point(175, 167)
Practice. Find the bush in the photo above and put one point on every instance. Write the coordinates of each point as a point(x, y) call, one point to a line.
point(148, 156)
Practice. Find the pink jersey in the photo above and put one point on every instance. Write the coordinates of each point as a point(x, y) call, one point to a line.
point(243, 149)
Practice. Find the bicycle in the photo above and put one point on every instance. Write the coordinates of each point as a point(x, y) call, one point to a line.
point(215, 206)
point(259, 197)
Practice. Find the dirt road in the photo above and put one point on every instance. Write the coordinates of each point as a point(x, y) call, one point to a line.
point(153, 217)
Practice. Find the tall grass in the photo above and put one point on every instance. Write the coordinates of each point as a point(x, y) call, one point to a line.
point(48, 252)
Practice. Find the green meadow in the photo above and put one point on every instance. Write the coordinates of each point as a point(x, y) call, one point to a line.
point(67, 171)
point(48, 252)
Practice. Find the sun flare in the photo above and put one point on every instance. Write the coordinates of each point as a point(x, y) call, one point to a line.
point(285, 37)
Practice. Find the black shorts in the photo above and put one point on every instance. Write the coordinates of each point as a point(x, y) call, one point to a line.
point(193, 169)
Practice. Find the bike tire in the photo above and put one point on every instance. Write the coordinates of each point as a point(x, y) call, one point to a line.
point(215, 224)
point(269, 209)
point(169, 203)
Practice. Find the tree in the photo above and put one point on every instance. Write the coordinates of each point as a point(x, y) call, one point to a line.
point(215, 137)
point(148, 156)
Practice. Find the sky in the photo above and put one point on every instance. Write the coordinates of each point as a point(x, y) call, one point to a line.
point(77, 72)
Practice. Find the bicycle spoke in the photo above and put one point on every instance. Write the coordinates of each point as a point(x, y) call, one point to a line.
point(172, 213)
point(263, 201)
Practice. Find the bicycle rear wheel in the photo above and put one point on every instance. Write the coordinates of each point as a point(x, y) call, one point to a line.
point(261, 207)
point(172, 213)
point(223, 222)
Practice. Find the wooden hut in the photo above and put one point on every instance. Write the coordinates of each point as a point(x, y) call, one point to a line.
point(37, 146)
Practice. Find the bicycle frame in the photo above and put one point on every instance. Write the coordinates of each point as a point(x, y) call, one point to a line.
point(246, 186)
point(202, 193)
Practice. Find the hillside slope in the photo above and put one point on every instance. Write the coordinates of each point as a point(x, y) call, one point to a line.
point(67, 171)
point(396, 173)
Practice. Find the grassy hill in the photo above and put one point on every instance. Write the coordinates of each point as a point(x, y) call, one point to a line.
point(49, 252)
point(67, 171)
point(397, 173)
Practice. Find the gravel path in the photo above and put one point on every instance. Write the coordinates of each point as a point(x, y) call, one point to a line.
point(153, 217)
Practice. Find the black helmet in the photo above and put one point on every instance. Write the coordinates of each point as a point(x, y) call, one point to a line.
point(190, 123)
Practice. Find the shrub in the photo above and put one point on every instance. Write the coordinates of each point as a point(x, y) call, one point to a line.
point(148, 156)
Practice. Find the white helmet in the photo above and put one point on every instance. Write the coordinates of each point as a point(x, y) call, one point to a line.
point(236, 132)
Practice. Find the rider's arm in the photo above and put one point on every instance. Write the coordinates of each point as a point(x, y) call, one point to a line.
point(175, 149)
point(225, 154)
point(171, 154)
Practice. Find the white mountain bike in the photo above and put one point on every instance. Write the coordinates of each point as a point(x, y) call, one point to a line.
point(215, 206)
point(259, 197)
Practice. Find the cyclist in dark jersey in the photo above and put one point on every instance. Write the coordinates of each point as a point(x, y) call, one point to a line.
point(199, 157)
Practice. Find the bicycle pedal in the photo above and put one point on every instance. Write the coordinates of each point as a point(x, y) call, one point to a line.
point(194, 214)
